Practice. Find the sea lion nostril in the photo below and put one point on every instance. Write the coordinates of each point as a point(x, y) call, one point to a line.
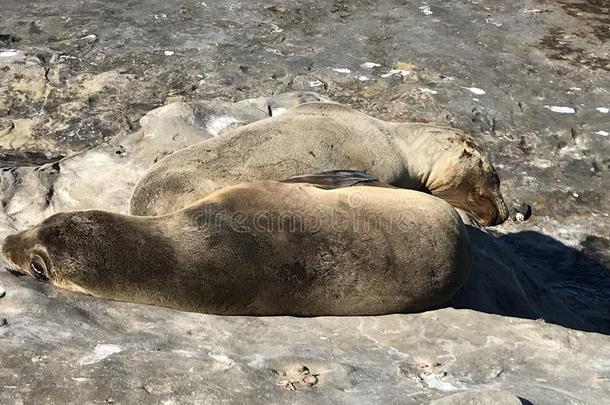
point(9, 240)
point(5, 250)
point(8, 257)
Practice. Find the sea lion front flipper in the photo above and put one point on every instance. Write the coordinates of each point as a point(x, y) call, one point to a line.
point(337, 179)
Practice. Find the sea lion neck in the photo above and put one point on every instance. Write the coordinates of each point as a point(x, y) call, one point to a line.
point(418, 153)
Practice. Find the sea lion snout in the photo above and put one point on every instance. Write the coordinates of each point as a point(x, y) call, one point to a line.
point(8, 249)
point(502, 209)
point(488, 210)
point(10, 255)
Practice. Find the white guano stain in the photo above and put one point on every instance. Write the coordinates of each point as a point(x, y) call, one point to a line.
point(363, 78)
point(427, 90)
point(370, 65)
point(475, 90)
point(603, 110)
point(278, 111)
point(9, 53)
point(602, 133)
point(493, 21)
point(435, 383)
point(315, 83)
point(275, 51)
point(217, 124)
point(168, 53)
point(425, 9)
point(393, 72)
point(275, 28)
point(342, 70)
point(560, 110)
point(542, 163)
point(221, 361)
point(100, 352)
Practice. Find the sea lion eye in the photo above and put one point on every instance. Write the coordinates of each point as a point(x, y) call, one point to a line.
point(38, 268)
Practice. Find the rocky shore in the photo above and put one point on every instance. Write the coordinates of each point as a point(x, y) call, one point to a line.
point(93, 93)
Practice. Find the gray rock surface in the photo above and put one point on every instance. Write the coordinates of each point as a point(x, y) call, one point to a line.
point(480, 397)
point(103, 177)
point(534, 317)
point(71, 349)
point(99, 343)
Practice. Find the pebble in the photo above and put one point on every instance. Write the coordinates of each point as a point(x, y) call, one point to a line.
point(2, 291)
point(522, 213)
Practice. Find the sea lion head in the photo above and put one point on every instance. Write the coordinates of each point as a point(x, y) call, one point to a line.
point(469, 181)
point(75, 251)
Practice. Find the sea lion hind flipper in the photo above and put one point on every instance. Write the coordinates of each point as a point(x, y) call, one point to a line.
point(337, 179)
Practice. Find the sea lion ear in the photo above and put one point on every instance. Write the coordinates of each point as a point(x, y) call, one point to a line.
point(337, 179)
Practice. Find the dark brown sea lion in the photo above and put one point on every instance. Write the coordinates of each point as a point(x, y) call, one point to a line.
point(265, 248)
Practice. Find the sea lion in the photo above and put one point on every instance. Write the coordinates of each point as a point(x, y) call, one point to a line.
point(315, 137)
point(264, 248)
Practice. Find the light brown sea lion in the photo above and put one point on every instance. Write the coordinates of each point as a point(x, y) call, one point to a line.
point(316, 137)
point(266, 248)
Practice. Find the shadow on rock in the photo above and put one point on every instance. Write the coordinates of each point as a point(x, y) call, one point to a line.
point(531, 275)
